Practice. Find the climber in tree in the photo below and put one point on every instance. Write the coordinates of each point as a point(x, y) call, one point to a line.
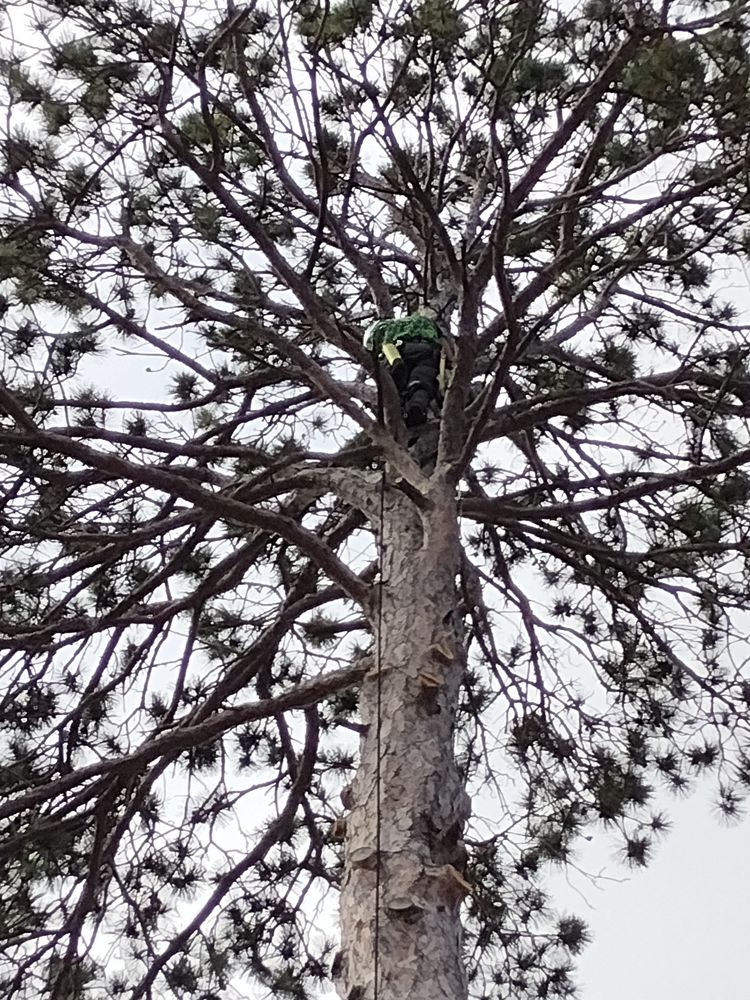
point(412, 354)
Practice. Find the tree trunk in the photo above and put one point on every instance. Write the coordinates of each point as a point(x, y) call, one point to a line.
point(423, 803)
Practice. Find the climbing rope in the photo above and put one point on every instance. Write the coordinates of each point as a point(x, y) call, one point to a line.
point(378, 734)
point(379, 694)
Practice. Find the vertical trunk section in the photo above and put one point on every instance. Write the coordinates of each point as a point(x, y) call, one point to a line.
point(423, 804)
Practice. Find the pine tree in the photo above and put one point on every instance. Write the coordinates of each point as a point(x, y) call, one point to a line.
point(260, 644)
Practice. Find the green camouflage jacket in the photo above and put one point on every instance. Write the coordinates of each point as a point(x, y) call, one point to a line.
point(395, 331)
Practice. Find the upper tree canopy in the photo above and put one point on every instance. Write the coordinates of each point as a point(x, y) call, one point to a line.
point(202, 209)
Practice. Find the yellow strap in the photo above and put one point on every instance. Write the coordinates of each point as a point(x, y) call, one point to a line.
point(391, 353)
point(445, 373)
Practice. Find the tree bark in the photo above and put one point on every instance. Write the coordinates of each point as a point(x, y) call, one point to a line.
point(416, 949)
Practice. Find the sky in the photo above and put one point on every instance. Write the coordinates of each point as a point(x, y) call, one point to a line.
point(677, 930)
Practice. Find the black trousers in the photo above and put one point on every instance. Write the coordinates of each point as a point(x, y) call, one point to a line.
point(416, 375)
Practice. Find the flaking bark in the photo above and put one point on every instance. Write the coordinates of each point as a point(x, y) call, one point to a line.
point(423, 801)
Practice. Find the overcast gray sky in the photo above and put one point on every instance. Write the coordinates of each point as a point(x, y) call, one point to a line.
point(677, 930)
